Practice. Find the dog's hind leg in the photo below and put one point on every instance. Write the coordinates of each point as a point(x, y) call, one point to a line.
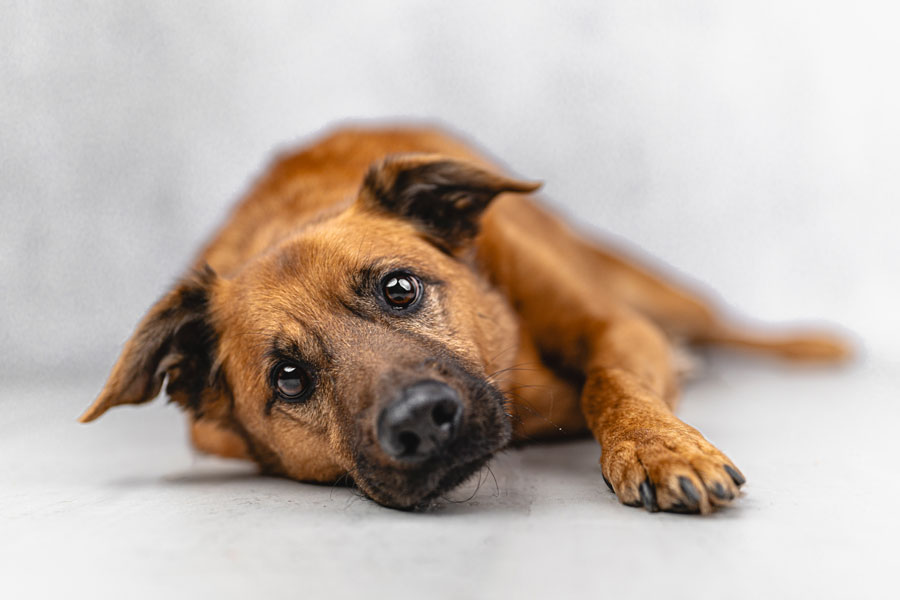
point(687, 315)
point(684, 313)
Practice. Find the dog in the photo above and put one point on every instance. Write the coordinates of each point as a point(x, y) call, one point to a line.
point(388, 306)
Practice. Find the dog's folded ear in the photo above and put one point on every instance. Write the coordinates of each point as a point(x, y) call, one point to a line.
point(174, 340)
point(444, 196)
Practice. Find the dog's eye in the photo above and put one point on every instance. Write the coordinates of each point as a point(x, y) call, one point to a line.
point(291, 381)
point(401, 290)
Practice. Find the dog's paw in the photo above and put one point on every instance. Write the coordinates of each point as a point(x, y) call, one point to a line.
point(671, 468)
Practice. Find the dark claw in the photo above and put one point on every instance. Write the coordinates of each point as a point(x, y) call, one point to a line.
point(721, 493)
point(608, 484)
point(689, 490)
point(735, 475)
point(681, 507)
point(648, 496)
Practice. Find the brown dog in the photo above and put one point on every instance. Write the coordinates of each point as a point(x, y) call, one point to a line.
point(385, 305)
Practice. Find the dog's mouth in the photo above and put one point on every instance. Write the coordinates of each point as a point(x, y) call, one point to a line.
point(423, 495)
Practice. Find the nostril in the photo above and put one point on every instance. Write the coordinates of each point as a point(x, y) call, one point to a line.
point(409, 441)
point(420, 423)
point(444, 412)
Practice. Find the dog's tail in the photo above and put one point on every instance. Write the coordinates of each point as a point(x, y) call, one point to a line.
point(798, 346)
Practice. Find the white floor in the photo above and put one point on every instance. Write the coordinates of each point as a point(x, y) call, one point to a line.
point(122, 508)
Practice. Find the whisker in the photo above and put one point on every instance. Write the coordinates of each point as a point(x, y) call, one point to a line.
point(504, 351)
point(336, 483)
point(517, 367)
point(477, 487)
point(496, 485)
point(513, 400)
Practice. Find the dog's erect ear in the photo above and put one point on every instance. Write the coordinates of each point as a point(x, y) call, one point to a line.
point(174, 339)
point(443, 196)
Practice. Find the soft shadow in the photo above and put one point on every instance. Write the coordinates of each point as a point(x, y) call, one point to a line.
point(191, 478)
point(510, 488)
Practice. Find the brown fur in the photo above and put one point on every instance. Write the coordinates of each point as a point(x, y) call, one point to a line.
point(575, 336)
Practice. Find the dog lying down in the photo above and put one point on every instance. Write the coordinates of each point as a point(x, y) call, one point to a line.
point(387, 305)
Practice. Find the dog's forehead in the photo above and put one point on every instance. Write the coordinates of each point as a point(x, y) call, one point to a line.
point(338, 249)
point(308, 274)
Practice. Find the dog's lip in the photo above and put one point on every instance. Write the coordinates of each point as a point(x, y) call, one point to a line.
point(453, 478)
point(450, 479)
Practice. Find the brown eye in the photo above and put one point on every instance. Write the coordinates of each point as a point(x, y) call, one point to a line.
point(291, 381)
point(401, 290)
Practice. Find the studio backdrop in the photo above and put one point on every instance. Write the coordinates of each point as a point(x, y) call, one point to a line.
point(752, 145)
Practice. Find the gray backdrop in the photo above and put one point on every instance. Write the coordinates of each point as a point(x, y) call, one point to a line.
point(752, 145)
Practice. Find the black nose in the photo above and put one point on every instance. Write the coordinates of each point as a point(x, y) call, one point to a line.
point(421, 422)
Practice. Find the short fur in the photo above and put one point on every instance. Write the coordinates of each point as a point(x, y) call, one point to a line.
point(541, 332)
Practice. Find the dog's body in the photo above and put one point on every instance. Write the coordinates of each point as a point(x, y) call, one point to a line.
point(400, 289)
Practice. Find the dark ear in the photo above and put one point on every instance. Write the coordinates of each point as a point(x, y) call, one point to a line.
point(174, 339)
point(443, 196)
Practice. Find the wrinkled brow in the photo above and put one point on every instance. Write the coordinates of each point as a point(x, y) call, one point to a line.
point(310, 348)
point(366, 278)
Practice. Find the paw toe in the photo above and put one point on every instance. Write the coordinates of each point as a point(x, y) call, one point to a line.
point(689, 490)
point(735, 475)
point(683, 493)
point(719, 491)
point(648, 495)
point(720, 487)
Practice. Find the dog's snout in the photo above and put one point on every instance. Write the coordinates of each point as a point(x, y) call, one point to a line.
point(420, 423)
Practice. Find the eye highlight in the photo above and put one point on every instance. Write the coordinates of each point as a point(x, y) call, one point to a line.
point(401, 290)
point(292, 382)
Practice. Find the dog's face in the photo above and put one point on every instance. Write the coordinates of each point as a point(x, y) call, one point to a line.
point(357, 346)
point(361, 344)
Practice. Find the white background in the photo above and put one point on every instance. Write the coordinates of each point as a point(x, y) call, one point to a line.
point(750, 145)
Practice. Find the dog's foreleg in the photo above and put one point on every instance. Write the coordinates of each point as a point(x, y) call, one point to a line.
point(650, 458)
point(583, 323)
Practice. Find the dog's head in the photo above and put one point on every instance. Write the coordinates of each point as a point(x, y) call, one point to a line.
point(361, 344)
